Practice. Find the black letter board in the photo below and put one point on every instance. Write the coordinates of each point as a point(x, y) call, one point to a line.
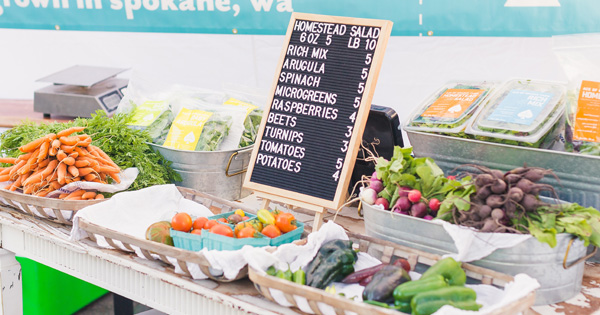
point(310, 133)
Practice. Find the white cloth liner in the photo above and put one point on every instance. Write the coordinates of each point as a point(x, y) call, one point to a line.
point(473, 245)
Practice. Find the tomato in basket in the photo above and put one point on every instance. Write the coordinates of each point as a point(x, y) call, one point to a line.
point(271, 231)
point(247, 232)
point(286, 222)
point(199, 223)
point(222, 229)
point(209, 224)
point(181, 222)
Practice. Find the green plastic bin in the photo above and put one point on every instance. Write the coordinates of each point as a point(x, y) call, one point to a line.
point(49, 291)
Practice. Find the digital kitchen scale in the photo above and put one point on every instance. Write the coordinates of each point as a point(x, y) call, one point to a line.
point(79, 91)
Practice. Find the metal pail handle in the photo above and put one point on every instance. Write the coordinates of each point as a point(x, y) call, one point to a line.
point(582, 259)
point(229, 164)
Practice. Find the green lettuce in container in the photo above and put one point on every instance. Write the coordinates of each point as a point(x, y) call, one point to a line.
point(153, 116)
point(450, 108)
point(521, 112)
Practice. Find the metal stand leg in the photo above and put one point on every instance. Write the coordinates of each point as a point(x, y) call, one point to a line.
point(11, 298)
point(123, 305)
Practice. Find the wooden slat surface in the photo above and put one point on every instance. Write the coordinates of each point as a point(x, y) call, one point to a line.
point(13, 112)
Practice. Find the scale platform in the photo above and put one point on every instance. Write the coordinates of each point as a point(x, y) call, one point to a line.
point(80, 91)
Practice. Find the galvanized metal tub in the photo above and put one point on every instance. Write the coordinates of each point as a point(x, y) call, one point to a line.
point(218, 173)
point(531, 257)
point(579, 174)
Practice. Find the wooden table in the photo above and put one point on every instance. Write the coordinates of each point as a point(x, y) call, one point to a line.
point(46, 243)
point(13, 112)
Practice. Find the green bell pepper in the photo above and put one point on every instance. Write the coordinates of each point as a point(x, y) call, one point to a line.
point(450, 269)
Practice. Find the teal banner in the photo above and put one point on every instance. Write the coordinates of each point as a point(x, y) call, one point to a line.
point(411, 17)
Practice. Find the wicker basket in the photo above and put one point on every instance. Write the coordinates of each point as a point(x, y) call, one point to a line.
point(161, 251)
point(385, 251)
point(55, 210)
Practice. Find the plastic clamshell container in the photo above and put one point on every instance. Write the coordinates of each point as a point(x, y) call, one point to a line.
point(188, 241)
point(214, 241)
point(450, 108)
point(521, 112)
point(289, 236)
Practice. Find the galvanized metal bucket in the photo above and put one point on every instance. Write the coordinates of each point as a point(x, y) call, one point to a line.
point(579, 174)
point(559, 270)
point(218, 173)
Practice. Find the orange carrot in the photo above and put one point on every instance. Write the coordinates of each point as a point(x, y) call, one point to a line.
point(28, 166)
point(62, 196)
point(81, 151)
point(8, 160)
point(68, 160)
point(85, 171)
point(99, 196)
point(44, 163)
point(89, 195)
point(77, 193)
point(23, 157)
point(84, 140)
point(73, 170)
point(62, 173)
point(43, 151)
point(67, 148)
point(107, 169)
point(55, 185)
point(89, 177)
point(4, 178)
point(74, 198)
point(69, 140)
point(28, 190)
point(115, 176)
point(61, 155)
point(81, 163)
point(50, 168)
point(17, 167)
point(69, 131)
point(7, 170)
point(32, 145)
point(42, 193)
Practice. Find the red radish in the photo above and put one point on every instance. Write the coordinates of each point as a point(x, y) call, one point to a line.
point(403, 204)
point(384, 202)
point(434, 204)
point(374, 176)
point(368, 196)
point(376, 185)
point(414, 196)
point(451, 177)
point(428, 217)
point(418, 210)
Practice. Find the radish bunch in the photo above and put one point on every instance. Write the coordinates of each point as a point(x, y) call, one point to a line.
point(411, 202)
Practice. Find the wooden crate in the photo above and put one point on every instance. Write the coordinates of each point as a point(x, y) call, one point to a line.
point(55, 210)
point(384, 251)
point(161, 251)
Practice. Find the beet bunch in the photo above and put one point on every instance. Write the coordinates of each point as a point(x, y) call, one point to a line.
point(500, 198)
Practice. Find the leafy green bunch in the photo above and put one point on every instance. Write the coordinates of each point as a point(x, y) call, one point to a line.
point(423, 174)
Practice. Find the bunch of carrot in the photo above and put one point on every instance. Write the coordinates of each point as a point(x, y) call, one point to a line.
point(52, 161)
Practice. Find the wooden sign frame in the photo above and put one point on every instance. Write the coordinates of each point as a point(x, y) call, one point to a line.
point(319, 205)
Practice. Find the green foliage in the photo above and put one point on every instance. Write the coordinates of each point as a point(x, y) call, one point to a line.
point(127, 147)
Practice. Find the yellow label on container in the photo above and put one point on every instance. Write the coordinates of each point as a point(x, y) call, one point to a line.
point(186, 129)
point(587, 117)
point(147, 113)
point(247, 106)
point(452, 103)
